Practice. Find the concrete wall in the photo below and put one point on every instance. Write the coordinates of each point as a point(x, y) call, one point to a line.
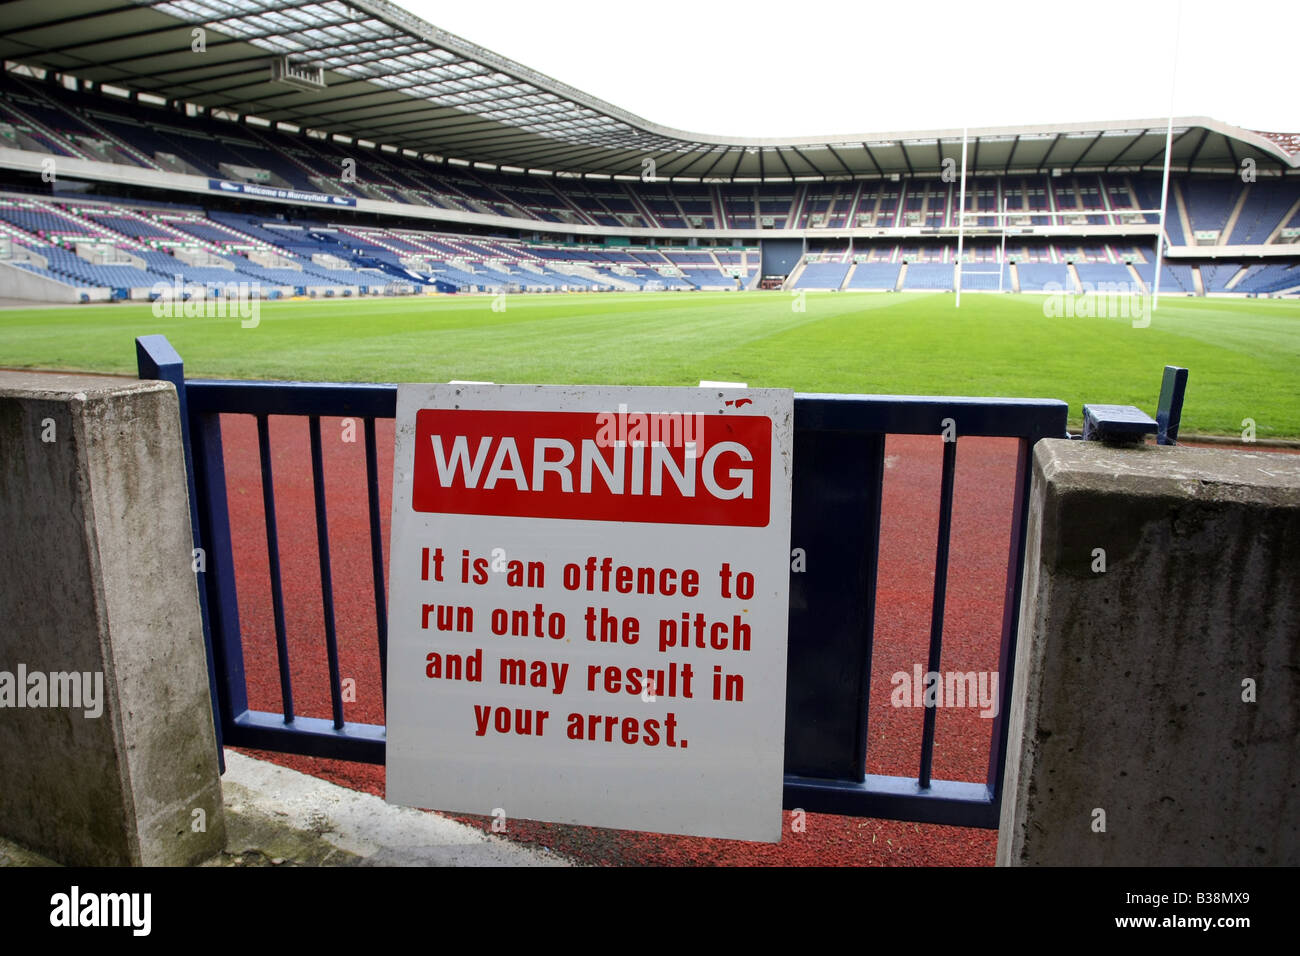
point(1129, 710)
point(18, 283)
point(780, 256)
point(95, 577)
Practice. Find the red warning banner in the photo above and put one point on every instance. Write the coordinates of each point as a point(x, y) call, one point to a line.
point(649, 467)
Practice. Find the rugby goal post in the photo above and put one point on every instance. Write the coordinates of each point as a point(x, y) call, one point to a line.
point(961, 228)
point(1161, 239)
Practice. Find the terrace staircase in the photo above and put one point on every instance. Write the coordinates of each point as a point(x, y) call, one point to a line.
point(643, 210)
point(378, 171)
point(173, 163)
point(1137, 280)
point(606, 278)
point(793, 277)
point(312, 172)
point(902, 275)
point(123, 240)
point(121, 145)
point(49, 134)
point(681, 213)
point(14, 234)
point(583, 215)
point(237, 235)
point(374, 239)
point(851, 206)
point(848, 276)
point(1176, 197)
point(1234, 215)
point(797, 208)
point(163, 225)
point(1073, 273)
point(1106, 204)
point(500, 198)
point(1290, 214)
point(414, 197)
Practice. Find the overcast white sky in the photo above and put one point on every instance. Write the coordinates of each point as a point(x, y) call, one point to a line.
point(761, 68)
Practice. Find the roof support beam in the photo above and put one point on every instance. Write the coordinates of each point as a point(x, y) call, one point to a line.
point(1044, 164)
point(1161, 151)
point(1095, 140)
point(78, 18)
point(1011, 155)
point(874, 162)
point(1196, 151)
point(840, 159)
point(1117, 161)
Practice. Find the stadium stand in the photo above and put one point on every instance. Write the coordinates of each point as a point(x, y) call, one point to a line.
point(369, 258)
point(1174, 279)
point(1043, 276)
point(822, 275)
point(1098, 274)
point(220, 149)
point(1209, 203)
point(983, 277)
point(875, 275)
point(1216, 275)
point(132, 241)
point(1263, 279)
point(1147, 190)
point(930, 276)
point(1262, 212)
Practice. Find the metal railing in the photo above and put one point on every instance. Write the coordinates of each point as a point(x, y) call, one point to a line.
point(839, 453)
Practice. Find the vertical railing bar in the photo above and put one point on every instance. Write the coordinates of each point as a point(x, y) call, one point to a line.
point(871, 590)
point(326, 581)
point(940, 593)
point(1016, 574)
point(156, 360)
point(214, 519)
point(377, 554)
point(273, 558)
point(219, 581)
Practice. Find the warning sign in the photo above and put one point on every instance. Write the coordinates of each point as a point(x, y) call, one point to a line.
point(587, 605)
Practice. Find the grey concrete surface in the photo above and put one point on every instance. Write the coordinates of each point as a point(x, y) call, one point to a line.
point(96, 579)
point(276, 817)
point(1133, 708)
point(278, 813)
point(18, 283)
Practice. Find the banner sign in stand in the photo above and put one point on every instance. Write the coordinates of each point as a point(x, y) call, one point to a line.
point(588, 602)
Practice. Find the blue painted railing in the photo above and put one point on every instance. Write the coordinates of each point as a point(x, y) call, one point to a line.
point(839, 451)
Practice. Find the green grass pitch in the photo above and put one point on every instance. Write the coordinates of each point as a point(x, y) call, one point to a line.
point(1243, 355)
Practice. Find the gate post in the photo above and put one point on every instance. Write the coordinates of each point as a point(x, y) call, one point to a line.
point(1157, 704)
point(157, 360)
point(106, 734)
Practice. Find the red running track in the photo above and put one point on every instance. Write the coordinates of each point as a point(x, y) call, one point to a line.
point(972, 628)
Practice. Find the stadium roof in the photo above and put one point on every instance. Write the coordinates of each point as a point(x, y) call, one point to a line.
point(391, 78)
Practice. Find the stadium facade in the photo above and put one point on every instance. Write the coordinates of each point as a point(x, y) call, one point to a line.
point(346, 149)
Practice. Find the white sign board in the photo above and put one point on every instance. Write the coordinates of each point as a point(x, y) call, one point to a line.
point(588, 604)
